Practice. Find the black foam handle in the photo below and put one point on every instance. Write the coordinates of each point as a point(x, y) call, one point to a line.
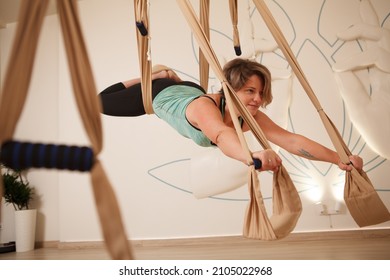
point(22, 155)
point(142, 28)
point(237, 49)
point(258, 164)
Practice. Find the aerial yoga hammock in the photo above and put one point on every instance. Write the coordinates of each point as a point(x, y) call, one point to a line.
point(287, 204)
point(21, 155)
point(362, 200)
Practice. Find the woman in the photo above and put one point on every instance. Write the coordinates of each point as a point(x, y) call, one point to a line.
point(205, 118)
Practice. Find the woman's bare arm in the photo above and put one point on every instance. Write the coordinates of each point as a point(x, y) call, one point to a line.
point(203, 114)
point(301, 145)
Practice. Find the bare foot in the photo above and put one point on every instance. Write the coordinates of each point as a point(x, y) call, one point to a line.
point(161, 71)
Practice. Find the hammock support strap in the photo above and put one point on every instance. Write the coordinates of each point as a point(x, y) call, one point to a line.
point(145, 63)
point(362, 200)
point(15, 90)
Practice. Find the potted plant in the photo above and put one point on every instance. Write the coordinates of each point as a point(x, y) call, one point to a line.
point(19, 193)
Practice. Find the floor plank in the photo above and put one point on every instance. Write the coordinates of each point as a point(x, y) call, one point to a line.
point(354, 245)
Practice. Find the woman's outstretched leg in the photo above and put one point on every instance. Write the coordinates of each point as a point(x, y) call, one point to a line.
point(119, 101)
point(124, 99)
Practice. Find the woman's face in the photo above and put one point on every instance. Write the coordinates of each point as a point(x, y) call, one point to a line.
point(251, 94)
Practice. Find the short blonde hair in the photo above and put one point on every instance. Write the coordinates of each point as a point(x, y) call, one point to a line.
point(238, 71)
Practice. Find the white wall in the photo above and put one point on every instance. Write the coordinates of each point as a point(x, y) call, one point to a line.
point(147, 162)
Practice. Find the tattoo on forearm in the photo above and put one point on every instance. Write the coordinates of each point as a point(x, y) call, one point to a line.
point(306, 154)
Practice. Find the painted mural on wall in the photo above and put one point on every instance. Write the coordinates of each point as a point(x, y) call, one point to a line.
point(367, 106)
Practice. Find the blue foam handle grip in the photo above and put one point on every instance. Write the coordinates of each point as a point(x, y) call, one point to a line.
point(22, 155)
point(142, 28)
point(258, 164)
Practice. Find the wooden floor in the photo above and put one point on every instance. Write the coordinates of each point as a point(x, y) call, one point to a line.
point(350, 245)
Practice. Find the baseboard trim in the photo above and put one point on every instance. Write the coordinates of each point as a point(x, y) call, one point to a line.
point(46, 244)
point(293, 237)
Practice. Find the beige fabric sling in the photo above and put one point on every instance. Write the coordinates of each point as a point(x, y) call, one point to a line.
point(14, 94)
point(18, 74)
point(362, 200)
point(145, 63)
point(286, 201)
point(144, 46)
point(234, 17)
point(204, 67)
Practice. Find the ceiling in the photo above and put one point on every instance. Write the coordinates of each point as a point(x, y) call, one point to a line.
point(9, 11)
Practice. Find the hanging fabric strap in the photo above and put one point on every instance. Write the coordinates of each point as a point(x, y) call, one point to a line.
point(18, 75)
point(141, 17)
point(234, 17)
point(14, 94)
point(144, 48)
point(287, 205)
point(89, 107)
point(362, 200)
point(203, 63)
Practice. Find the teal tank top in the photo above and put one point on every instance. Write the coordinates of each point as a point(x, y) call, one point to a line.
point(170, 105)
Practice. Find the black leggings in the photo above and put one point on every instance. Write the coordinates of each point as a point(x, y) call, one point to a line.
point(117, 100)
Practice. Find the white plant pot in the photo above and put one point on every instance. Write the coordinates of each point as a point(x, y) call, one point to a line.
point(25, 223)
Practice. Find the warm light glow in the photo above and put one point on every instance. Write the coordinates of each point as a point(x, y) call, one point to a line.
point(338, 191)
point(315, 192)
